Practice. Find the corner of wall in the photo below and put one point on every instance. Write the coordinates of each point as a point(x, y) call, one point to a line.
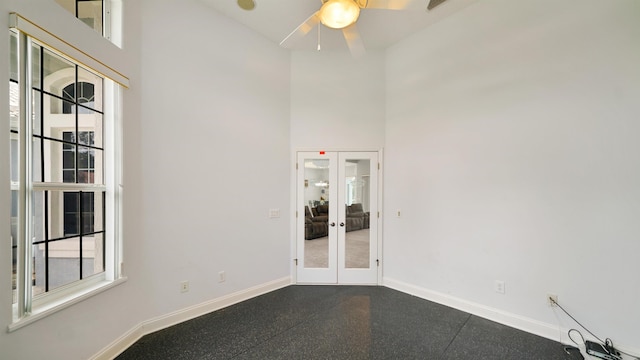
point(161, 322)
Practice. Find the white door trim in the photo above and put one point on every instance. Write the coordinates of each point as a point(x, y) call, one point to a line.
point(374, 217)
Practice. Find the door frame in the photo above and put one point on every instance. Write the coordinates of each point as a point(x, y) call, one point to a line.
point(293, 206)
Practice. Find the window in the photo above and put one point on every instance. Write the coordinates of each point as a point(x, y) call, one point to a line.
point(89, 12)
point(103, 16)
point(65, 177)
point(67, 148)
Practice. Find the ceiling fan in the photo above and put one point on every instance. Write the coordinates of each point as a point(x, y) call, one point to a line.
point(343, 14)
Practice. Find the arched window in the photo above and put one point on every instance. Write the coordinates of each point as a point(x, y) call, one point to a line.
point(86, 97)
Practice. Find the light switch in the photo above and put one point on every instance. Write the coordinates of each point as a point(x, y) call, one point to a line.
point(274, 213)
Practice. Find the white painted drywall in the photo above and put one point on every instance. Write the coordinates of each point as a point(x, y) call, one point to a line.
point(214, 153)
point(512, 149)
point(206, 156)
point(337, 101)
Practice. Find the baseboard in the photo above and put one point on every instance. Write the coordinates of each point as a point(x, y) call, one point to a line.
point(161, 322)
point(549, 331)
point(529, 325)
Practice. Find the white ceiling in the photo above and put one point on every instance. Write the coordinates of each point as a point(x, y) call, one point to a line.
point(379, 29)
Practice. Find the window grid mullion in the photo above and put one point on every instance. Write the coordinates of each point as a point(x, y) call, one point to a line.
point(41, 77)
point(46, 241)
point(104, 22)
point(75, 105)
point(68, 237)
point(66, 142)
point(44, 92)
point(80, 229)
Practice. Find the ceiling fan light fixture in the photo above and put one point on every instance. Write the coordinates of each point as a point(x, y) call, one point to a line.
point(247, 4)
point(338, 14)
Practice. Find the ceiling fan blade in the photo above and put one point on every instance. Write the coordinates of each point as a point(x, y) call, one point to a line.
point(356, 46)
point(302, 30)
point(393, 4)
point(434, 3)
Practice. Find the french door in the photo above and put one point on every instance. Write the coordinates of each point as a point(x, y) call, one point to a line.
point(337, 223)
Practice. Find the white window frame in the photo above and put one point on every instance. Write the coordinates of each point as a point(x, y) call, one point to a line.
point(105, 17)
point(28, 308)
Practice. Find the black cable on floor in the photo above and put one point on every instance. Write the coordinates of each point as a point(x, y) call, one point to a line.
point(574, 319)
point(608, 343)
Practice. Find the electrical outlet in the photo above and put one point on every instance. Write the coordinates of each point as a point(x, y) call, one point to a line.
point(222, 277)
point(184, 286)
point(552, 300)
point(499, 286)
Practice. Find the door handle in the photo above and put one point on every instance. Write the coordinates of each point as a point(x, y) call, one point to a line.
point(341, 224)
point(333, 224)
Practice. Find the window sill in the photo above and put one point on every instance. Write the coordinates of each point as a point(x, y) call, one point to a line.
point(64, 302)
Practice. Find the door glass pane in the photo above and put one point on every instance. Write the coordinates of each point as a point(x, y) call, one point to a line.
point(316, 209)
point(357, 193)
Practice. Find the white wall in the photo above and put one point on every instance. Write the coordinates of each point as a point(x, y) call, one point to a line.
point(214, 154)
point(512, 150)
point(208, 109)
point(337, 102)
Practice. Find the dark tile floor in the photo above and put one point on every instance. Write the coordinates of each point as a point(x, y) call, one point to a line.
point(342, 322)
